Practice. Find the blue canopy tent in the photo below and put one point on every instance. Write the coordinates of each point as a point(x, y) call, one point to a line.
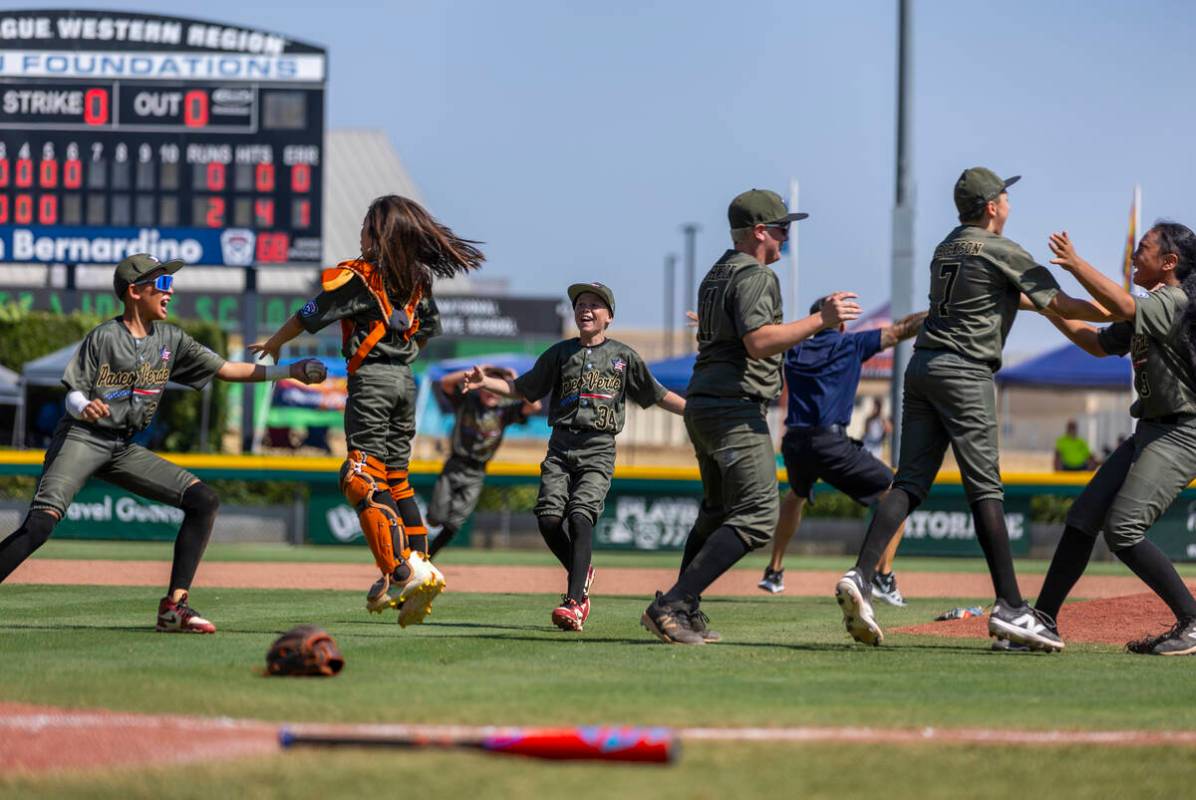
point(1068, 367)
point(674, 373)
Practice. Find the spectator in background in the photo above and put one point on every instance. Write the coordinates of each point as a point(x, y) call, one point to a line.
point(877, 427)
point(1071, 452)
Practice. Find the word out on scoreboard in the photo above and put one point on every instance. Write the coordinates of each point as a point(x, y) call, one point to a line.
point(124, 133)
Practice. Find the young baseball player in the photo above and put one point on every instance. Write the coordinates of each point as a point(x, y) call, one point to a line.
point(114, 382)
point(590, 378)
point(382, 301)
point(976, 279)
point(821, 377)
point(481, 419)
point(741, 336)
point(1146, 472)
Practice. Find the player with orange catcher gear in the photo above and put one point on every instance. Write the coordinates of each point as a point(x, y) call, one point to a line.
point(383, 300)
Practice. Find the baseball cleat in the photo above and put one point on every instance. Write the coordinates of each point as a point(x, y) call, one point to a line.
point(699, 623)
point(379, 598)
point(852, 595)
point(773, 581)
point(1006, 646)
point(569, 615)
point(669, 625)
point(1180, 640)
point(1024, 625)
point(418, 592)
point(885, 587)
point(181, 618)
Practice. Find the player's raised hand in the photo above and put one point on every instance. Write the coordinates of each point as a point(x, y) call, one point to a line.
point(96, 409)
point(261, 349)
point(691, 319)
point(1065, 252)
point(309, 371)
point(838, 308)
point(474, 379)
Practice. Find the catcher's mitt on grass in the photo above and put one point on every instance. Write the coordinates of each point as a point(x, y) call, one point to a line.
point(304, 650)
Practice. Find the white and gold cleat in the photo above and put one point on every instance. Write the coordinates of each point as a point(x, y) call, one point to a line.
point(379, 597)
point(417, 593)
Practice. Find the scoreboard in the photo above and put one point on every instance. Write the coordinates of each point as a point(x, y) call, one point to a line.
point(124, 133)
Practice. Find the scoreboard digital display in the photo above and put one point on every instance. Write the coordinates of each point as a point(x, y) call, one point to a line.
point(127, 133)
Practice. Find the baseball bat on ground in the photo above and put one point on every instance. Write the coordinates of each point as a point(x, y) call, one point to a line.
point(643, 745)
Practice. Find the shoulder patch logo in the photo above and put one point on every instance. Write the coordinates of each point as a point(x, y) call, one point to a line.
point(619, 364)
point(308, 309)
point(165, 354)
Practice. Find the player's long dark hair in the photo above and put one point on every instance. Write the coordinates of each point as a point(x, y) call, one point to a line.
point(1179, 241)
point(411, 247)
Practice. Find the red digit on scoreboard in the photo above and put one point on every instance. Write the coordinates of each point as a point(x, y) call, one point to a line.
point(3, 172)
point(24, 172)
point(215, 215)
point(215, 177)
point(272, 248)
point(263, 211)
point(3, 209)
point(301, 178)
point(95, 107)
point(263, 177)
point(23, 209)
point(48, 174)
point(47, 209)
point(72, 173)
point(195, 108)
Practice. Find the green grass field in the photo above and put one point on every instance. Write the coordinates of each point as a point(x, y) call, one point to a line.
point(495, 659)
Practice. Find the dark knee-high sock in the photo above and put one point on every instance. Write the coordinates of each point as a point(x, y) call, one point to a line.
point(1067, 565)
point(554, 536)
point(989, 517)
point(413, 523)
point(32, 534)
point(722, 549)
point(200, 504)
point(890, 513)
point(582, 531)
point(1156, 570)
point(693, 545)
point(447, 532)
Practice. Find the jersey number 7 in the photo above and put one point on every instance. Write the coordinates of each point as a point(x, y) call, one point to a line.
point(949, 272)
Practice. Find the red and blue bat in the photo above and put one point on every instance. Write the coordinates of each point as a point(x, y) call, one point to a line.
point(643, 745)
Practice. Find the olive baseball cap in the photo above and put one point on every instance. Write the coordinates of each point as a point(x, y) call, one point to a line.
point(760, 207)
point(976, 186)
point(136, 267)
point(600, 289)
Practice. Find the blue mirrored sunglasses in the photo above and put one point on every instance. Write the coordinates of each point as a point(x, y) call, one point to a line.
point(162, 283)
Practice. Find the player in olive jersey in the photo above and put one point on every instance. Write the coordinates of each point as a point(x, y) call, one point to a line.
point(481, 418)
point(977, 277)
point(741, 339)
point(590, 378)
point(115, 381)
point(1146, 472)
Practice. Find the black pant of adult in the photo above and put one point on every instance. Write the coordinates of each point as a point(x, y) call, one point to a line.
point(199, 504)
point(989, 518)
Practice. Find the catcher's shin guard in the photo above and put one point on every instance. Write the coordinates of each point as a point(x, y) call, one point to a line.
point(363, 482)
point(409, 514)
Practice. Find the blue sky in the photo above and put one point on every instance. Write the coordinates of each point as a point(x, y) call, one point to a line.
point(575, 138)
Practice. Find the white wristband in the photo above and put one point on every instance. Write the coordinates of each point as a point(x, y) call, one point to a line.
point(276, 372)
point(76, 401)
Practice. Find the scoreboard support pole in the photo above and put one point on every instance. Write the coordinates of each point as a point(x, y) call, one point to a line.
point(249, 335)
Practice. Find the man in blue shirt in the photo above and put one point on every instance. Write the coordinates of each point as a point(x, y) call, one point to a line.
point(821, 376)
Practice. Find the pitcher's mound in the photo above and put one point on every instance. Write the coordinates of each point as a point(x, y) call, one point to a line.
point(1112, 620)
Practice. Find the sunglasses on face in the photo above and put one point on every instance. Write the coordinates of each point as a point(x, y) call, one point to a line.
point(783, 227)
point(162, 283)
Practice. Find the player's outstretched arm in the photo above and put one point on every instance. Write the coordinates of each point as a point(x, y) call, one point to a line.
point(768, 340)
point(902, 329)
point(1085, 336)
point(273, 346)
point(477, 378)
point(309, 370)
point(672, 402)
point(1115, 302)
